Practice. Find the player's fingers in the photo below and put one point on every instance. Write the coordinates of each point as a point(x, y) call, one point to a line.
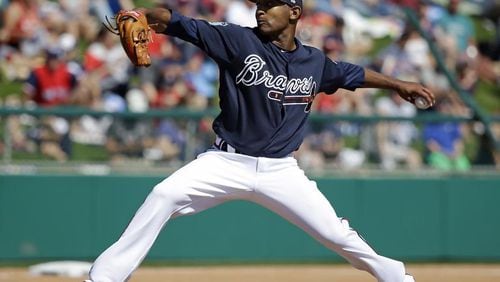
point(429, 96)
point(407, 96)
point(426, 94)
point(158, 27)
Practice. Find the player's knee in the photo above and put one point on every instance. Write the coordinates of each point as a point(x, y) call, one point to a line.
point(335, 234)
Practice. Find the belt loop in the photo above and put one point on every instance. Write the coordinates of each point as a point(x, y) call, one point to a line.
point(230, 149)
point(218, 142)
point(222, 145)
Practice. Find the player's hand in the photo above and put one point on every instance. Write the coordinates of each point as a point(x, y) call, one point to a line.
point(157, 18)
point(410, 91)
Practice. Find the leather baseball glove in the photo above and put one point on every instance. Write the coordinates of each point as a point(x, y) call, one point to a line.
point(135, 35)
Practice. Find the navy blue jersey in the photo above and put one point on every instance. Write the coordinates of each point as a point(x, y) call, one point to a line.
point(265, 92)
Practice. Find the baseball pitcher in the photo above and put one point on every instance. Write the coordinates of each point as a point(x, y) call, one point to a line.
point(268, 81)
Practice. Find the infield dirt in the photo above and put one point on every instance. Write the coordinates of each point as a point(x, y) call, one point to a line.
point(280, 273)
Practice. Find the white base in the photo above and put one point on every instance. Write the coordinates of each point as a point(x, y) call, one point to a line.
point(409, 278)
point(61, 268)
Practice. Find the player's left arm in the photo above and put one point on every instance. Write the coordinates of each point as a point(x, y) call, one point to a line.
point(406, 89)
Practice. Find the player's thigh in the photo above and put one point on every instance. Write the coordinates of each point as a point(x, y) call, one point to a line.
point(207, 181)
point(296, 198)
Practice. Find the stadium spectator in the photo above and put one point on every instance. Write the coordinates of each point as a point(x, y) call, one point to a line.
point(456, 27)
point(20, 22)
point(128, 137)
point(16, 126)
point(332, 7)
point(201, 73)
point(326, 149)
point(108, 8)
point(19, 31)
point(445, 142)
point(314, 26)
point(411, 4)
point(149, 77)
point(49, 85)
point(419, 54)
point(88, 129)
point(169, 142)
point(488, 66)
point(170, 94)
point(78, 19)
point(333, 43)
point(212, 10)
point(107, 66)
point(309, 156)
point(455, 33)
point(394, 60)
point(426, 16)
point(467, 76)
point(394, 139)
point(186, 7)
point(241, 12)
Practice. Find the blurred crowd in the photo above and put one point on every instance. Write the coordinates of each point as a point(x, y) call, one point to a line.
point(63, 56)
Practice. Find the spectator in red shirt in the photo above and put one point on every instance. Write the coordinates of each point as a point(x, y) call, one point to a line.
point(20, 22)
point(52, 84)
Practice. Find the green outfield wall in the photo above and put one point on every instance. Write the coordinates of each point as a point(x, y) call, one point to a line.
point(76, 217)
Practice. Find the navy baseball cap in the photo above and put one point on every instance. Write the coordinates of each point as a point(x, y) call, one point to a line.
point(54, 53)
point(288, 2)
point(293, 2)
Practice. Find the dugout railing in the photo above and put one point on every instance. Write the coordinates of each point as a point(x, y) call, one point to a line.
point(192, 118)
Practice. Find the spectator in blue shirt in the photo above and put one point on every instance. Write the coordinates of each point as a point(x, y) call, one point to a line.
point(444, 141)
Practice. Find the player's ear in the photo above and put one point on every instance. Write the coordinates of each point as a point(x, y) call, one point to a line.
point(295, 13)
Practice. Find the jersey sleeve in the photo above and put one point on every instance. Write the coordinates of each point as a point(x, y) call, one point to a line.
point(341, 75)
point(30, 84)
point(219, 39)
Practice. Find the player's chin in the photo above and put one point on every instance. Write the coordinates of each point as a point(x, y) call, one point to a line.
point(265, 29)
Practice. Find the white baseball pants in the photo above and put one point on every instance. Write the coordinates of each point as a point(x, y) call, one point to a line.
point(216, 177)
